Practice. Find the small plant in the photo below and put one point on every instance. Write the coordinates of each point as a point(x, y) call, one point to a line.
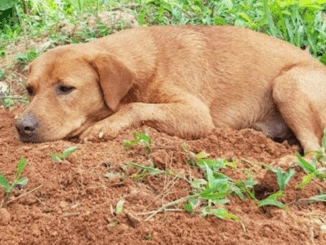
point(142, 139)
point(149, 170)
point(119, 207)
point(211, 192)
point(316, 168)
point(283, 179)
point(59, 157)
point(247, 187)
point(27, 57)
point(2, 72)
point(9, 187)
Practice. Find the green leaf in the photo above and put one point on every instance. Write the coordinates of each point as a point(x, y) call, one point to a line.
point(220, 213)
point(237, 191)
point(209, 176)
point(318, 198)
point(198, 183)
point(114, 223)
point(220, 202)
point(130, 143)
point(4, 183)
point(284, 178)
point(6, 4)
point(67, 152)
point(250, 182)
point(22, 181)
point(20, 167)
point(214, 164)
point(306, 180)
point(201, 155)
point(323, 60)
point(208, 194)
point(190, 205)
point(111, 175)
point(271, 202)
point(143, 138)
point(304, 164)
point(119, 207)
point(55, 157)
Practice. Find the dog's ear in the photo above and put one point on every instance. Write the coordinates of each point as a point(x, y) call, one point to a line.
point(114, 77)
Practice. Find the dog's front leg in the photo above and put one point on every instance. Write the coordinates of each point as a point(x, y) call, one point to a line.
point(188, 119)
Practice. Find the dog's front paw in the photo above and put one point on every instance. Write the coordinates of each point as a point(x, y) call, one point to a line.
point(99, 132)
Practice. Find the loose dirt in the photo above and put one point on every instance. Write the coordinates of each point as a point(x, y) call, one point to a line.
point(72, 202)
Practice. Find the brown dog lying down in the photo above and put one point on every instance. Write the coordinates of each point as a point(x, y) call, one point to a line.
point(181, 80)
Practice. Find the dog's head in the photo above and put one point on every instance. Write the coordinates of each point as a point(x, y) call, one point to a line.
point(71, 87)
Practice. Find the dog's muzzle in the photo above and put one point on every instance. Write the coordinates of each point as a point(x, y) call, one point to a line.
point(27, 127)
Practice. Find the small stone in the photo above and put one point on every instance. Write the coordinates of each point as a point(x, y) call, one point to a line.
point(323, 227)
point(100, 135)
point(5, 216)
point(63, 204)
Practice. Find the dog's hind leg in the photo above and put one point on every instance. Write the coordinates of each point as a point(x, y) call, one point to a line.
point(300, 96)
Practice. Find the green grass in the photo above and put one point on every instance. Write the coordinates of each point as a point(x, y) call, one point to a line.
point(18, 181)
point(210, 194)
point(59, 157)
point(300, 22)
point(139, 139)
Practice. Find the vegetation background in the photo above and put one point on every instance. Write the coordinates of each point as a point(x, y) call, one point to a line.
point(36, 25)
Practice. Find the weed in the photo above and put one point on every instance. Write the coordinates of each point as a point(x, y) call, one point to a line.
point(59, 157)
point(247, 186)
point(142, 139)
point(283, 179)
point(9, 187)
point(148, 237)
point(211, 192)
point(316, 168)
point(119, 207)
point(27, 57)
point(318, 198)
point(149, 170)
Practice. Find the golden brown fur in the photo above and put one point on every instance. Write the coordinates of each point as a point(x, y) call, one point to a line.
point(181, 80)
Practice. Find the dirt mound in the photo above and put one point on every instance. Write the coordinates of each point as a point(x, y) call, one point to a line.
point(74, 201)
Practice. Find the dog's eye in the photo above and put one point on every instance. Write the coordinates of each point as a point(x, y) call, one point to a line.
point(62, 89)
point(29, 91)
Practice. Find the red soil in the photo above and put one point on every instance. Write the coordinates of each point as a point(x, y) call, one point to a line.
point(72, 202)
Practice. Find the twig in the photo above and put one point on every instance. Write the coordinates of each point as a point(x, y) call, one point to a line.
point(24, 194)
point(168, 205)
point(165, 210)
point(14, 97)
point(130, 6)
point(167, 187)
point(71, 214)
point(243, 226)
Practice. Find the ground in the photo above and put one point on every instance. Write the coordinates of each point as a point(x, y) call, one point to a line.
point(73, 202)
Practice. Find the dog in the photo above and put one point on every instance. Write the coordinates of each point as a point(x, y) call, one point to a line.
point(183, 81)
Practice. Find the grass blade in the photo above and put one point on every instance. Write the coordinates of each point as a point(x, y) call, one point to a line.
point(67, 152)
point(119, 207)
point(304, 164)
point(220, 213)
point(271, 202)
point(20, 167)
point(22, 181)
point(318, 198)
point(284, 178)
point(4, 183)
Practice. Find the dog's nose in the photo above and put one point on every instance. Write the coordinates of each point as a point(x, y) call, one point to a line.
point(27, 127)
